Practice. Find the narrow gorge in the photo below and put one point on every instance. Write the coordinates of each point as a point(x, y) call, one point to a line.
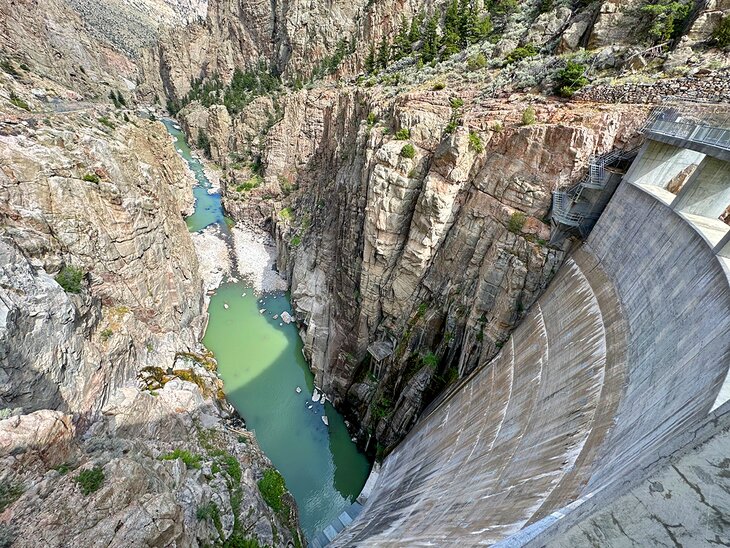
point(371, 273)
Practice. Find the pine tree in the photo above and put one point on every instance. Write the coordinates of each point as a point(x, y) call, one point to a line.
point(482, 28)
point(383, 53)
point(431, 40)
point(467, 13)
point(414, 34)
point(402, 44)
point(370, 60)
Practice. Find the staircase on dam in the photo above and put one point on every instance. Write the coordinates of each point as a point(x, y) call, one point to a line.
point(605, 418)
point(577, 208)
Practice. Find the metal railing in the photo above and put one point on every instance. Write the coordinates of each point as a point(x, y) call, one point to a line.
point(692, 131)
point(562, 210)
point(568, 208)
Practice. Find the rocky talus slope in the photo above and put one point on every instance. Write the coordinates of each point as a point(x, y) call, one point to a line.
point(113, 425)
point(133, 24)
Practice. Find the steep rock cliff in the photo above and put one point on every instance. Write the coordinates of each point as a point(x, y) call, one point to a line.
point(53, 56)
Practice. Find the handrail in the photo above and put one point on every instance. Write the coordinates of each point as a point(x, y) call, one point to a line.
point(699, 133)
point(564, 201)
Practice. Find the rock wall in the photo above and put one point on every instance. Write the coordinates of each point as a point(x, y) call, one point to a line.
point(63, 61)
point(109, 202)
point(113, 424)
point(713, 87)
point(96, 379)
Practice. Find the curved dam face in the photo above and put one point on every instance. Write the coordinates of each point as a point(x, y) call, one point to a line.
point(614, 367)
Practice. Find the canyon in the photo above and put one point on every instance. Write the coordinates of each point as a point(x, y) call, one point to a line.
point(410, 212)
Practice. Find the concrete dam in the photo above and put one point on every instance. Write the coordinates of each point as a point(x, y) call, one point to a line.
point(604, 418)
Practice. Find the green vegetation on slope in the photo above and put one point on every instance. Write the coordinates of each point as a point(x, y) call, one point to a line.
point(90, 480)
point(70, 279)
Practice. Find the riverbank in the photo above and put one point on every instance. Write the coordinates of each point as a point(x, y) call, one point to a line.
point(255, 254)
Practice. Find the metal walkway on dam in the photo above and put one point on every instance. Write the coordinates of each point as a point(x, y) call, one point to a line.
point(604, 420)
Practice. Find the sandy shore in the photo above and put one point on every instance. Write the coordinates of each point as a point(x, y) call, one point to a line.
point(213, 256)
point(255, 256)
point(213, 173)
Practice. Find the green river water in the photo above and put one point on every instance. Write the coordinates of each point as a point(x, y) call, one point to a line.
point(261, 363)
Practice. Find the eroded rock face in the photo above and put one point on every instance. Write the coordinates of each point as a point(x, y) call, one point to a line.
point(51, 39)
point(106, 371)
point(108, 202)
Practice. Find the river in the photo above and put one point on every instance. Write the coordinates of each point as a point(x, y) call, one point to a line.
point(261, 363)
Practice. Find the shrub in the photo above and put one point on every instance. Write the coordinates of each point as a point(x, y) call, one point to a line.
point(372, 119)
point(452, 125)
point(438, 85)
point(272, 488)
point(204, 143)
point(8, 67)
point(475, 142)
point(236, 540)
point(430, 359)
point(232, 467)
point(721, 34)
point(105, 121)
point(208, 510)
point(18, 102)
point(113, 97)
point(9, 493)
point(70, 279)
point(403, 134)
point(408, 151)
point(191, 460)
point(456, 102)
point(528, 117)
point(253, 182)
point(286, 214)
point(7, 536)
point(64, 468)
point(296, 240)
point(90, 480)
point(383, 408)
point(476, 62)
point(520, 53)
point(497, 127)
point(516, 222)
point(665, 18)
point(503, 7)
point(546, 5)
point(91, 178)
point(570, 79)
point(106, 334)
